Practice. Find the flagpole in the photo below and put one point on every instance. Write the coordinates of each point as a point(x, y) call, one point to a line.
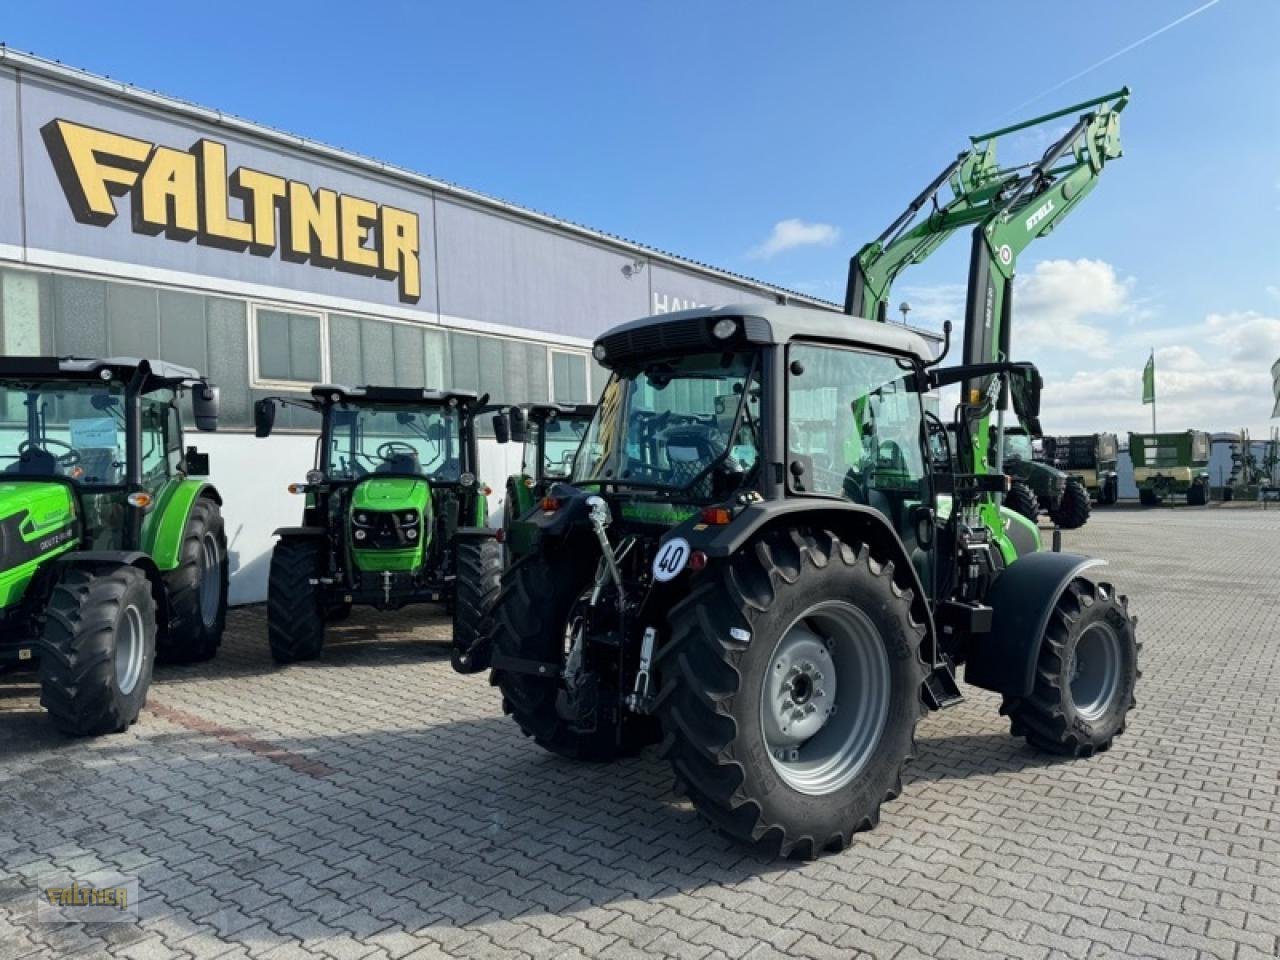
point(1153, 390)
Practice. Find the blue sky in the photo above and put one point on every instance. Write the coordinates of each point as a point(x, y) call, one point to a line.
point(700, 127)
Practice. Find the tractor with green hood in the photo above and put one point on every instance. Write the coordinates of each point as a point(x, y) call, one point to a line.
point(756, 563)
point(550, 434)
point(394, 514)
point(112, 547)
point(1038, 485)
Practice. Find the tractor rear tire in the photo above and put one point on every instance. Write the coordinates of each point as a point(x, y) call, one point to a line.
point(1085, 675)
point(479, 575)
point(1198, 493)
point(1148, 498)
point(101, 630)
point(295, 620)
point(1072, 511)
point(1021, 499)
point(797, 620)
point(530, 622)
point(197, 589)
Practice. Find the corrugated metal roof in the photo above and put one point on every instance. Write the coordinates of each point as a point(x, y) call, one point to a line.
point(51, 68)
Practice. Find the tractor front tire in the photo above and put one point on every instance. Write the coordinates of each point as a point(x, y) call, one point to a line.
point(100, 628)
point(1021, 499)
point(531, 623)
point(197, 589)
point(1085, 675)
point(479, 575)
point(295, 620)
point(1072, 511)
point(791, 691)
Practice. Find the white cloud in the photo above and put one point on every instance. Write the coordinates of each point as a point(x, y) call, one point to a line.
point(791, 233)
point(1245, 334)
point(1070, 305)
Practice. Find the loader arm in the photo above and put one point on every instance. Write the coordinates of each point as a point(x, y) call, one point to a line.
point(1007, 208)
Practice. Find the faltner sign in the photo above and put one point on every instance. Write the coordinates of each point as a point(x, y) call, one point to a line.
point(184, 194)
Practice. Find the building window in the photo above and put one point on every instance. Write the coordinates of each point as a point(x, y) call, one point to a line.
point(569, 377)
point(289, 347)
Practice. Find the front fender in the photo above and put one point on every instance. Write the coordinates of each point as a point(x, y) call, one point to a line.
point(1022, 598)
point(163, 529)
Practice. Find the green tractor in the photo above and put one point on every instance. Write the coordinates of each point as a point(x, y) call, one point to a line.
point(1090, 460)
point(1037, 485)
point(1166, 465)
point(112, 549)
point(394, 514)
point(551, 434)
point(757, 562)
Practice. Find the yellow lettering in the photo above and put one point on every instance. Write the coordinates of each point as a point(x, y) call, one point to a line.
point(260, 191)
point(93, 166)
point(313, 221)
point(398, 231)
point(218, 227)
point(165, 197)
point(357, 217)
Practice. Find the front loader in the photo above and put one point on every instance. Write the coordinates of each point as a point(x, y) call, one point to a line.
point(770, 557)
point(112, 547)
point(394, 514)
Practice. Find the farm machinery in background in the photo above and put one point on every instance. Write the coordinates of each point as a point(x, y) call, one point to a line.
point(1168, 465)
point(1090, 460)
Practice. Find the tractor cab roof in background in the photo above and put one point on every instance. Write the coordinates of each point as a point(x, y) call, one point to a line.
point(689, 331)
point(573, 410)
point(158, 373)
point(409, 396)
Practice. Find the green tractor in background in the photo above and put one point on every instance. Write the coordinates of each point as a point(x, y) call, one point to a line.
point(394, 514)
point(551, 434)
point(1090, 460)
point(1037, 485)
point(1166, 465)
point(112, 549)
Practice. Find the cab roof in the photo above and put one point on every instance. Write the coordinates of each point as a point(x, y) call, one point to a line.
point(761, 323)
point(75, 368)
point(325, 392)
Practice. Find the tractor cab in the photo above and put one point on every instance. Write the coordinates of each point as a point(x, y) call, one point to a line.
point(393, 505)
point(551, 434)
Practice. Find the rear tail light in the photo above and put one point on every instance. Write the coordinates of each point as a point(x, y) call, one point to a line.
point(550, 504)
point(717, 516)
point(697, 560)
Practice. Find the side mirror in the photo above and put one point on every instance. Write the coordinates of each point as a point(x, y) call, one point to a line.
point(205, 398)
point(264, 417)
point(517, 426)
point(1025, 385)
point(501, 429)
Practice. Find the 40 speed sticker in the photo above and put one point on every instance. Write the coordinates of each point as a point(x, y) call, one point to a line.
point(671, 559)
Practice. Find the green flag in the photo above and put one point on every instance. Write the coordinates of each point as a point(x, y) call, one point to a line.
point(1149, 380)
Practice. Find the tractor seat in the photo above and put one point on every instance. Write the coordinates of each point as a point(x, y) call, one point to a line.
point(400, 463)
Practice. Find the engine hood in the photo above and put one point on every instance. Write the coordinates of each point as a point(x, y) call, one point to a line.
point(391, 493)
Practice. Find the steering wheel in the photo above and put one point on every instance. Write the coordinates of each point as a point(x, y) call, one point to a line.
point(68, 459)
point(396, 448)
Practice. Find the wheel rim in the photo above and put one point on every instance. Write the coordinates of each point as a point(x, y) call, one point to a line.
point(130, 649)
point(825, 700)
point(1095, 671)
point(210, 580)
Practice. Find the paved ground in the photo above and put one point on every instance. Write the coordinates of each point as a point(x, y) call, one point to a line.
point(375, 804)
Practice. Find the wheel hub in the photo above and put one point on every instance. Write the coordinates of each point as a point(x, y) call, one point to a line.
point(803, 691)
point(130, 651)
point(1093, 673)
point(210, 580)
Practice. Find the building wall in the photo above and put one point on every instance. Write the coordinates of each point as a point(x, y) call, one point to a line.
point(505, 302)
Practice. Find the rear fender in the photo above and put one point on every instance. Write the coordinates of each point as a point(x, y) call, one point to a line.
point(851, 522)
point(1022, 598)
point(163, 530)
